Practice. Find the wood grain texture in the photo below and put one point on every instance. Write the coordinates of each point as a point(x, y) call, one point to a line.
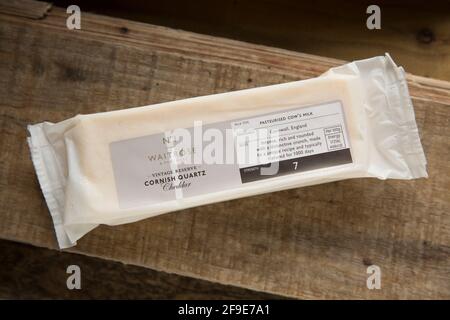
point(36, 273)
point(25, 8)
point(415, 32)
point(313, 242)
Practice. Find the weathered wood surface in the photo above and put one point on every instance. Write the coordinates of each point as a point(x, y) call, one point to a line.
point(313, 242)
point(25, 8)
point(29, 272)
point(415, 32)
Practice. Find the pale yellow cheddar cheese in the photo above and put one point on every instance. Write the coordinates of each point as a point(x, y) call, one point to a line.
point(74, 163)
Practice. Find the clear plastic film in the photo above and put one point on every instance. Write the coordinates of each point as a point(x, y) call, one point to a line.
point(354, 121)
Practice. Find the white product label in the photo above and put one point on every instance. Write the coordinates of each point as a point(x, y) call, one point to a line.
point(154, 168)
point(299, 139)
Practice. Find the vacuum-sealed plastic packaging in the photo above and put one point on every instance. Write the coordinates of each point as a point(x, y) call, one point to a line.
point(354, 121)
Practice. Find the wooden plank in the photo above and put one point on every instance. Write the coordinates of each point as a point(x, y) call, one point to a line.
point(24, 276)
point(313, 242)
point(415, 32)
point(25, 8)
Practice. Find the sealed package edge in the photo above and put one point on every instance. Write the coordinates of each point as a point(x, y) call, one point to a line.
point(356, 120)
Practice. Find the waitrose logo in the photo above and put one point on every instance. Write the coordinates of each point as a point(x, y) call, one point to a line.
point(199, 145)
point(174, 154)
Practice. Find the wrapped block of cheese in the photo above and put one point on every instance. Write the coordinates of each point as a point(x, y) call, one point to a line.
point(356, 120)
